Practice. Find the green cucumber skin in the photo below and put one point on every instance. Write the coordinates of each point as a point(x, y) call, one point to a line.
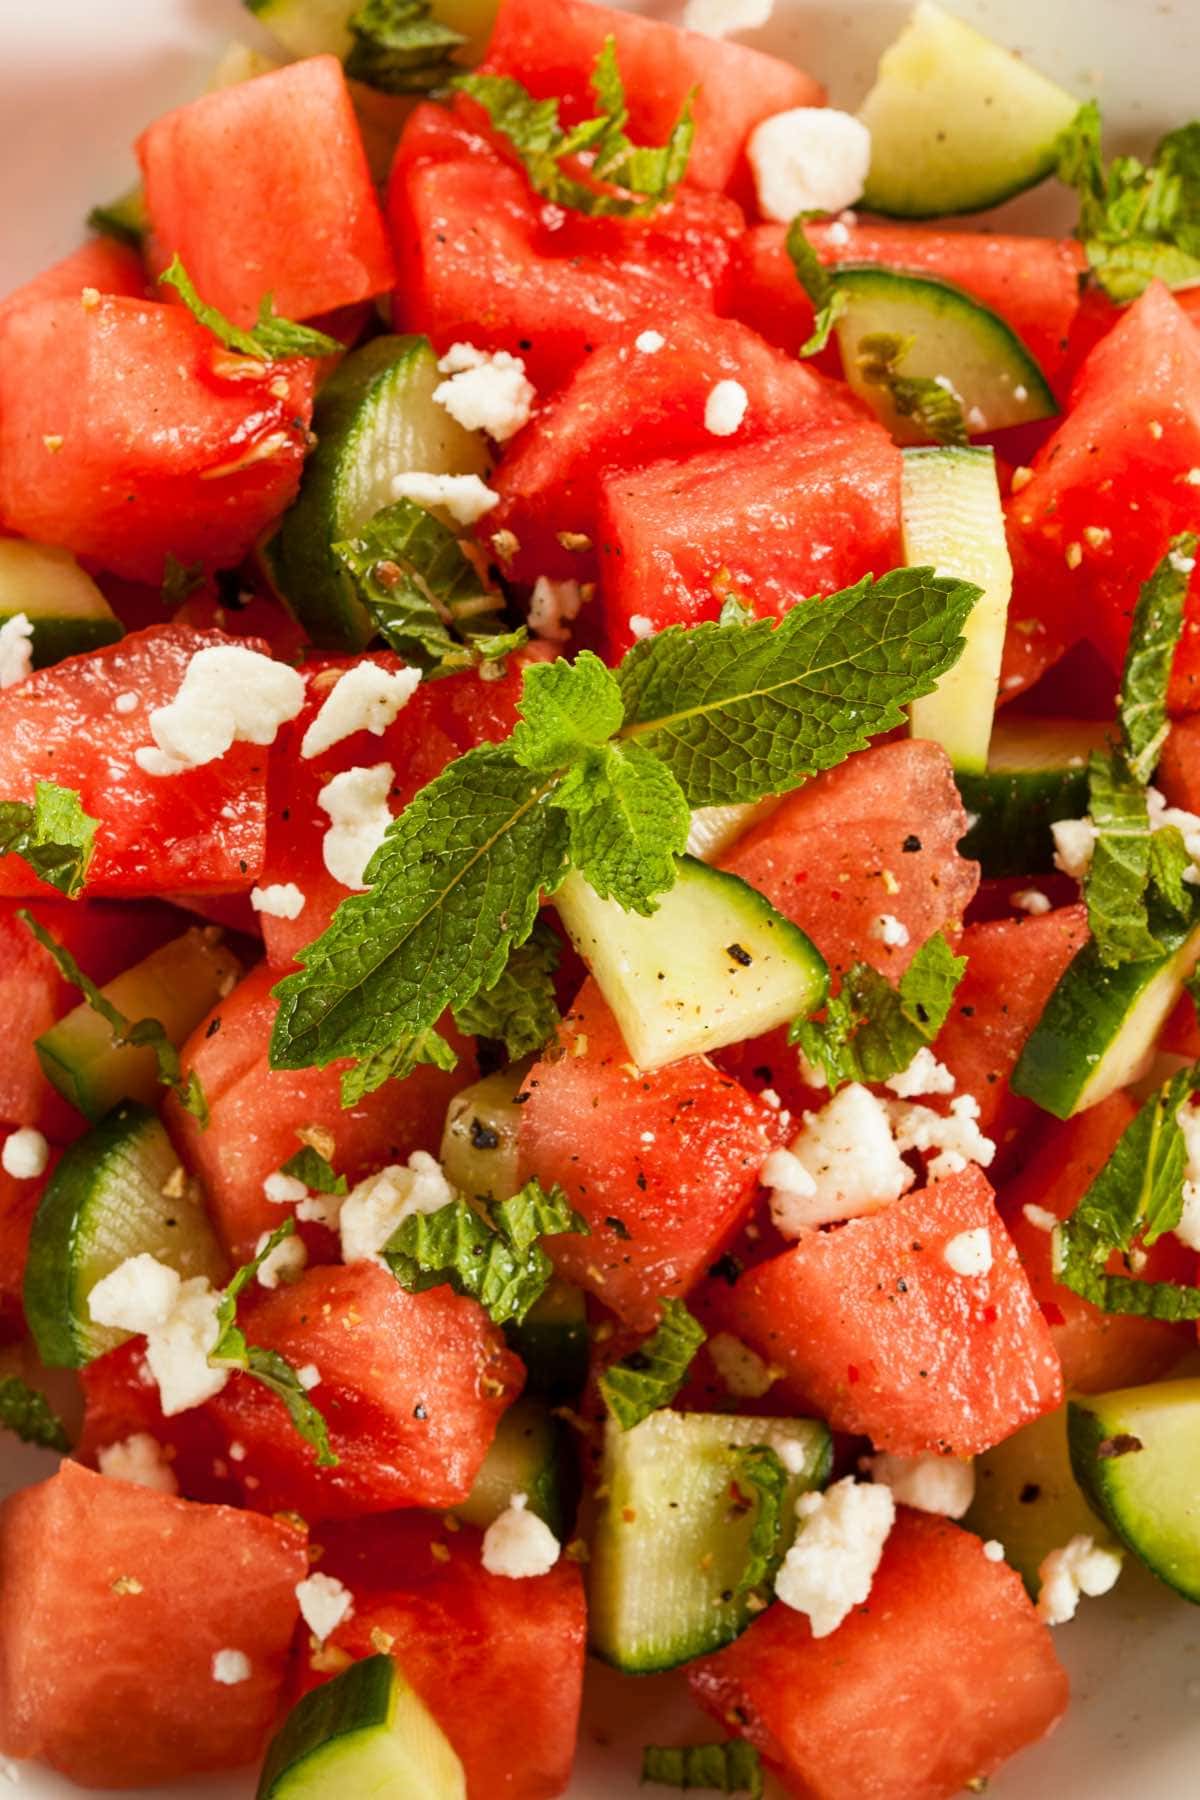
point(1087, 1429)
point(356, 1700)
point(1014, 813)
point(554, 1344)
point(531, 1454)
point(55, 639)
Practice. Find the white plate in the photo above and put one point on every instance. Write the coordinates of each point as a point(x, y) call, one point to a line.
point(77, 79)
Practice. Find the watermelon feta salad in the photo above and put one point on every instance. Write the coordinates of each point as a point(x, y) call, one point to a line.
point(599, 912)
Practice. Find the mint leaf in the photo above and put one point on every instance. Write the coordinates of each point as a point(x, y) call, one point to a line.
point(871, 1029)
point(29, 1415)
point(267, 1366)
point(644, 176)
point(532, 1213)
point(1115, 886)
point(819, 283)
point(54, 836)
point(761, 1476)
point(1153, 639)
point(732, 1768)
point(737, 712)
point(315, 1171)
point(494, 1259)
point(520, 1008)
point(566, 710)
point(933, 408)
point(652, 1375)
point(271, 337)
point(1138, 222)
point(395, 1062)
point(629, 821)
point(424, 593)
point(1169, 862)
point(399, 47)
point(141, 1033)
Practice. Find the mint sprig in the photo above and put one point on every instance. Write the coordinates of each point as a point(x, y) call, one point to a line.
point(872, 1029)
point(519, 1009)
point(829, 301)
point(651, 1376)
point(1139, 222)
point(271, 337)
point(54, 836)
point(399, 47)
point(732, 1768)
point(315, 1171)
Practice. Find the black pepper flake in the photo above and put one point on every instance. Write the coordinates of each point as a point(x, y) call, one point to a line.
point(213, 1026)
point(419, 1410)
point(739, 955)
point(911, 844)
point(483, 1137)
point(727, 1268)
point(1124, 1444)
point(619, 1228)
point(1029, 1493)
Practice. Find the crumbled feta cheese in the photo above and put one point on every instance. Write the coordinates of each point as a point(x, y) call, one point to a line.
point(954, 1138)
point(717, 18)
point(1188, 1228)
point(309, 1376)
point(924, 1075)
point(140, 1459)
point(284, 1263)
point(742, 1370)
point(932, 1484)
point(230, 1666)
point(281, 900)
point(366, 698)
point(890, 931)
point(848, 1152)
point(465, 497)
point(228, 695)
point(969, 1253)
point(784, 1171)
point(649, 342)
point(487, 390)
point(994, 1550)
point(1031, 901)
point(1040, 1217)
point(136, 1296)
point(518, 1544)
point(1079, 1567)
point(1183, 565)
point(640, 626)
point(357, 804)
point(725, 408)
point(551, 605)
point(16, 650)
point(284, 1190)
point(324, 1603)
point(378, 1206)
point(1074, 841)
point(25, 1154)
point(320, 1209)
point(810, 159)
point(829, 1569)
point(127, 702)
point(177, 1351)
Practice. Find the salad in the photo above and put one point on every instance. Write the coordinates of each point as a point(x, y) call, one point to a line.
point(599, 869)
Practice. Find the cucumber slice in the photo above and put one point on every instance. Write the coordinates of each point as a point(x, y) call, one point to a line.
point(1036, 773)
point(375, 418)
point(715, 964)
point(957, 123)
point(479, 1142)
point(177, 985)
point(952, 519)
point(68, 612)
point(1026, 1496)
point(671, 1540)
point(949, 335)
point(1100, 1025)
point(365, 1733)
point(117, 1192)
point(530, 1454)
point(123, 218)
point(311, 27)
point(715, 828)
point(1150, 1495)
point(552, 1341)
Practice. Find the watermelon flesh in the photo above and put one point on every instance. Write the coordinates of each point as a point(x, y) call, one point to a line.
point(99, 263)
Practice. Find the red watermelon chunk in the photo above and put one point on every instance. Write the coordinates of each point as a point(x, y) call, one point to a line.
point(551, 46)
point(100, 263)
point(771, 521)
point(928, 1688)
point(121, 1400)
point(498, 1662)
point(1178, 772)
point(661, 1165)
point(200, 831)
point(116, 1599)
point(18, 1203)
point(128, 435)
point(412, 1387)
point(876, 835)
point(263, 188)
point(891, 1342)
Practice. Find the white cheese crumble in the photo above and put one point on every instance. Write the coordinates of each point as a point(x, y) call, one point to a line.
point(1074, 841)
point(284, 1263)
point(829, 1569)
point(127, 702)
point(25, 1154)
point(178, 1320)
point(229, 1667)
point(228, 695)
point(518, 1544)
point(135, 1296)
point(465, 497)
point(551, 606)
point(1188, 1228)
point(743, 1372)
point(850, 1157)
point(1031, 901)
point(994, 1550)
point(486, 391)
point(284, 1190)
point(280, 900)
point(649, 342)
point(357, 804)
point(640, 626)
point(324, 1603)
point(924, 1075)
point(309, 1376)
point(366, 698)
point(16, 650)
point(931, 1484)
point(1079, 1567)
point(378, 1206)
point(1040, 1217)
point(810, 159)
point(888, 930)
point(969, 1253)
point(140, 1459)
point(717, 18)
point(954, 1138)
point(725, 408)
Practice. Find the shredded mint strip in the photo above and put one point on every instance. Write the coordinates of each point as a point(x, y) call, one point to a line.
point(271, 338)
point(54, 836)
point(29, 1415)
point(934, 409)
point(652, 1375)
point(315, 1171)
point(493, 1254)
point(819, 283)
point(399, 47)
point(1138, 222)
point(732, 1768)
point(761, 1476)
point(872, 1030)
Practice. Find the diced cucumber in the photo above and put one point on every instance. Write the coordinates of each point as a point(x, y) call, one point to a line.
point(311, 27)
point(68, 612)
point(715, 964)
point(1136, 1454)
point(1036, 773)
point(479, 1142)
point(531, 1455)
point(123, 218)
point(364, 1734)
point(957, 123)
point(948, 337)
point(672, 1537)
point(117, 1192)
point(1027, 1497)
point(552, 1341)
point(715, 828)
point(952, 520)
point(177, 985)
point(1100, 1025)
point(374, 419)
